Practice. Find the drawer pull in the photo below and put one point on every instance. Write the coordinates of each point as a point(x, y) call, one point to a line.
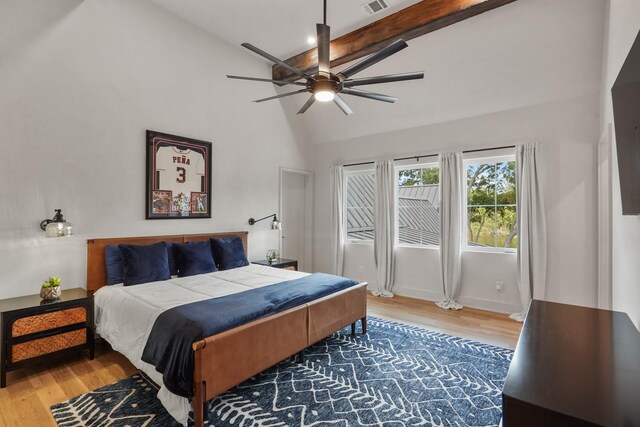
point(49, 333)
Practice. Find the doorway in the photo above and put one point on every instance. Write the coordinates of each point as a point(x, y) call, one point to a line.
point(296, 213)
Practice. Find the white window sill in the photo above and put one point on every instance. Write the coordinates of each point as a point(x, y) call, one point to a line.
point(413, 246)
point(358, 242)
point(499, 251)
point(435, 248)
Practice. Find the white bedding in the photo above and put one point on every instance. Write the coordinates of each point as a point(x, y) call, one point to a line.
point(126, 314)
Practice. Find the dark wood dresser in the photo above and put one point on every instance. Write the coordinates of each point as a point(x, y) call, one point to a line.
point(33, 331)
point(574, 366)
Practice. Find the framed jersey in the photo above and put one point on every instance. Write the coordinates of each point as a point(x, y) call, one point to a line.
point(178, 177)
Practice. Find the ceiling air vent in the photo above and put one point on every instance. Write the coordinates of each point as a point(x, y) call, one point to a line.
point(375, 6)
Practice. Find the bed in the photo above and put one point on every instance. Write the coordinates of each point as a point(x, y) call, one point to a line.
point(125, 316)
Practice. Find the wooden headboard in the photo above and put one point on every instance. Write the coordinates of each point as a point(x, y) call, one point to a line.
point(97, 269)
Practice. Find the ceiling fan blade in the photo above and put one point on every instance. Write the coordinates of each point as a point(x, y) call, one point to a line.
point(281, 96)
point(369, 95)
point(307, 104)
point(383, 79)
point(275, 60)
point(323, 48)
point(372, 59)
point(343, 105)
point(256, 79)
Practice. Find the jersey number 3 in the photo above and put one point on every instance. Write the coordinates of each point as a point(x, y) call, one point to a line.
point(182, 175)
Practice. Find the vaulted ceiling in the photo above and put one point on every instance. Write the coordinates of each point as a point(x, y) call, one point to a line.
point(524, 53)
point(280, 27)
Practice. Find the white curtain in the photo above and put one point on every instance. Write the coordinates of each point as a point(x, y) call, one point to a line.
point(532, 231)
point(337, 219)
point(384, 226)
point(452, 196)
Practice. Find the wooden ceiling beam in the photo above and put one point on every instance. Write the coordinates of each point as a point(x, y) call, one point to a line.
point(414, 21)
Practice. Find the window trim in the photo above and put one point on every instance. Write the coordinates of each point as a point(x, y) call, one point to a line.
point(346, 176)
point(396, 198)
point(484, 160)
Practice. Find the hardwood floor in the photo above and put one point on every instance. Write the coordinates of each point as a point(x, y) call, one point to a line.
point(484, 326)
point(31, 391)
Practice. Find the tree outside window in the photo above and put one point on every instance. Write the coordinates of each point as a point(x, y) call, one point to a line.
point(491, 205)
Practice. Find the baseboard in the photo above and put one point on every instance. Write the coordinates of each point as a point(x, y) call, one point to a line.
point(423, 294)
point(472, 302)
point(485, 304)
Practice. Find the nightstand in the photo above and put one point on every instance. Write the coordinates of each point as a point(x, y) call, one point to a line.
point(287, 264)
point(33, 331)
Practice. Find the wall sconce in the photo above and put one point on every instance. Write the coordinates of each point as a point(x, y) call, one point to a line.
point(57, 227)
point(275, 224)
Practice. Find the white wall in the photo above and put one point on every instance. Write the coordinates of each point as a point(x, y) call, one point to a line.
point(568, 131)
point(623, 26)
point(80, 82)
point(527, 71)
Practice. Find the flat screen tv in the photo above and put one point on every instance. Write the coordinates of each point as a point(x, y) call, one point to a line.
point(626, 113)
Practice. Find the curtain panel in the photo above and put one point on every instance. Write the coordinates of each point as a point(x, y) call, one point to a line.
point(532, 230)
point(453, 191)
point(385, 227)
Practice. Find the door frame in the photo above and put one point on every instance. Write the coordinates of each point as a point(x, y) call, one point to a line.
point(308, 231)
point(605, 258)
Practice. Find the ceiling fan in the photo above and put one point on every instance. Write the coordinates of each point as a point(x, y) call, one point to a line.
point(326, 86)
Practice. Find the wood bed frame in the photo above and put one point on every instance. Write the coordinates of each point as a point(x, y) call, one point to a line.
point(224, 360)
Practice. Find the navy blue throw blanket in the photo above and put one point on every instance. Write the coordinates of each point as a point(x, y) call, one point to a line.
point(169, 348)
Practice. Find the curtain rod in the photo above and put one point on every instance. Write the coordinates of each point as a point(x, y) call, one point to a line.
point(489, 149)
point(432, 155)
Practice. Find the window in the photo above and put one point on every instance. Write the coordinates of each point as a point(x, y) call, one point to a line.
point(418, 203)
point(491, 203)
point(360, 188)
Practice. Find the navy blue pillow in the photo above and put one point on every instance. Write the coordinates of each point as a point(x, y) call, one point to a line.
point(113, 260)
point(145, 263)
point(229, 253)
point(173, 268)
point(115, 267)
point(194, 258)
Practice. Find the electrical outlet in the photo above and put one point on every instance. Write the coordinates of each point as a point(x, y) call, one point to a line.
point(499, 286)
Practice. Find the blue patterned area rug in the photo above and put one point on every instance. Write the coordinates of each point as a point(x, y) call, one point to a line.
point(396, 375)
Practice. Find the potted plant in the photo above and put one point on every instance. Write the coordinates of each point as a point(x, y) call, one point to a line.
point(272, 255)
point(50, 289)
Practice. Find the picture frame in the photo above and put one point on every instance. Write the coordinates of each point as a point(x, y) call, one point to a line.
point(178, 177)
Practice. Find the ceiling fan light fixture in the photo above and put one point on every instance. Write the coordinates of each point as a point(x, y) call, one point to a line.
point(324, 95)
point(324, 89)
point(325, 86)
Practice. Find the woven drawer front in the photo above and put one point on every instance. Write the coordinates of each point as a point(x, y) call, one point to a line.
point(291, 267)
point(44, 322)
point(46, 345)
